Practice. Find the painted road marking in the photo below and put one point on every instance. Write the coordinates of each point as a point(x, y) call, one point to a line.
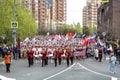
point(5, 78)
point(59, 72)
point(112, 78)
point(76, 66)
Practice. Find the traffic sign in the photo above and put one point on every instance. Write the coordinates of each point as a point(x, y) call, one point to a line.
point(14, 24)
point(94, 33)
point(104, 0)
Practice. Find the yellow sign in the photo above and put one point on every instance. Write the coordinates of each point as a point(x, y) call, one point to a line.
point(14, 24)
point(104, 0)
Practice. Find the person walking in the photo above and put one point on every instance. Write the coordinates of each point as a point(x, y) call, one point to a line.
point(16, 52)
point(68, 57)
point(112, 64)
point(1, 51)
point(55, 56)
point(72, 55)
point(88, 54)
point(44, 57)
point(104, 53)
point(7, 59)
point(100, 54)
point(118, 54)
point(60, 56)
point(5, 50)
point(96, 53)
point(30, 53)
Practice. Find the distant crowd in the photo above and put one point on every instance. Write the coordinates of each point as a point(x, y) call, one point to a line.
point(60, 48)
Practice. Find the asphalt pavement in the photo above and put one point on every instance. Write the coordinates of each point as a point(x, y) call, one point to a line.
point(87, 69)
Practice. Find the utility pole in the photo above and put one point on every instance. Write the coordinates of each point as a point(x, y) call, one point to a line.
point(14, 32)
point(15, 24)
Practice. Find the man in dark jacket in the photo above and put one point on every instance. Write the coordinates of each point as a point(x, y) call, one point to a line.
point(118, 54)
point(1, 51)
point(16, 52)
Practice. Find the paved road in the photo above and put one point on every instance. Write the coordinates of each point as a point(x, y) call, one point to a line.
point(81, 70)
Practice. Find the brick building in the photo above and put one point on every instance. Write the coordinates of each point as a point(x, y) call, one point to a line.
point(108, 19)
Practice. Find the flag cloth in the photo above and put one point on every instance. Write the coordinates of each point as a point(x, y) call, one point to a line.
point(18, 42)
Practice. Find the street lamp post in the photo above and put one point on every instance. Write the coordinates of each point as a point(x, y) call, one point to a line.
point(14, 32)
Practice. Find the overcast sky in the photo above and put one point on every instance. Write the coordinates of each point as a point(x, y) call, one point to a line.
point(74, 11)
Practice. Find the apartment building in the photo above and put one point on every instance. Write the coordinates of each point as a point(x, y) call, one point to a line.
point(90, 14)
point(58, 13)
point(49, 14)
point(84, 16)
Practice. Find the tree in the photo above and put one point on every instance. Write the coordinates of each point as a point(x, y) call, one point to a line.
point(76, 28)
point(26, 22)
point(89, 30)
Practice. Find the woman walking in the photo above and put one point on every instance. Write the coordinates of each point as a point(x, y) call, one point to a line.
point(113, 64)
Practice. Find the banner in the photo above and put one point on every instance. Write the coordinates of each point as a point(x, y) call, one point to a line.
point(81, 52)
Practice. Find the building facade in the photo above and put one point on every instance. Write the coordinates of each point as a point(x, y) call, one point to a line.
point(108, 19)
point(49, 14)
point(58, 13)
point(90, 14)
point(84, 16)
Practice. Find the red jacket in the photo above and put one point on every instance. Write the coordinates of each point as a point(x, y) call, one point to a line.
point(68, 54)
point(44, 55)
point(30, 53)
point(56, 54)
point(60, 54)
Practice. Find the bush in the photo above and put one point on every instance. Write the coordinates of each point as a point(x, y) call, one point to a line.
point(1, 59)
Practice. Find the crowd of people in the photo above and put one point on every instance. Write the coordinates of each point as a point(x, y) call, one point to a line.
point(58, 49)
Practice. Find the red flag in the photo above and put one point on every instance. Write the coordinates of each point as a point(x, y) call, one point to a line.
point(18, 42)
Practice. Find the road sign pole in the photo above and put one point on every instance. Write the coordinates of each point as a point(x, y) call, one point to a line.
point(14, 29)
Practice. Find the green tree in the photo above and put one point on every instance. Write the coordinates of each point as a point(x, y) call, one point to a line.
point(26, 22)
point(76, 28)
point(89, 30)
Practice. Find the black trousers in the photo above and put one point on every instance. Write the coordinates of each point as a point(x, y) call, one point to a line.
point(55, 62)
point(71, 59)
point(30, 61)
point(46, 61)
point(7, 67)
point(100, 57)
point(19, 54)
point(67, 62)
point(43, 62)
point(59, 59)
